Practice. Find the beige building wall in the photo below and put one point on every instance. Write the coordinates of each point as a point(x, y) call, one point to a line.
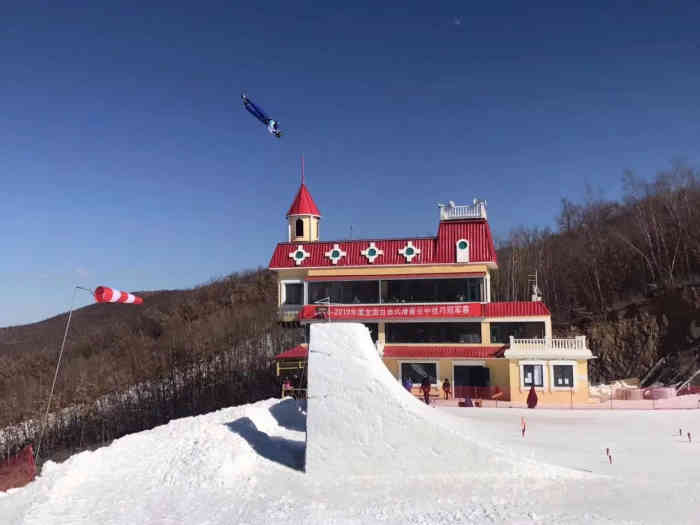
point(406, 269)
point(498, 369)
point(311, 229)
point(485, 333)
point(546, 394)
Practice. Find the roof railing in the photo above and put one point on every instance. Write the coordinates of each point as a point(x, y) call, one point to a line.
point(450, 211)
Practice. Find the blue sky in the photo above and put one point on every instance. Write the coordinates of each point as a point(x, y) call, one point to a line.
point(128, 159)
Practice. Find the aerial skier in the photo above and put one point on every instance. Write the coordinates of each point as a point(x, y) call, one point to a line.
point(272, 125)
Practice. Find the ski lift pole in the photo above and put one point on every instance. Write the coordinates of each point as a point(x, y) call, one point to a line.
point(58, 364)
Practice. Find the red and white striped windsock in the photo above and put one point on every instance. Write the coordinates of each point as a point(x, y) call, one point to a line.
point(104, 294)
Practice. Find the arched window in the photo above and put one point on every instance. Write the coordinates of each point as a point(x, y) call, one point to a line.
point(300, 228)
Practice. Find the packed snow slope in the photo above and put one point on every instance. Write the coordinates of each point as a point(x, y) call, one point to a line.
point(361, 421)
point(376, 455)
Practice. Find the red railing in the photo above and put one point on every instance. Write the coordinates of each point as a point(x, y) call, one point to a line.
point(688, 390)
point(481, 392)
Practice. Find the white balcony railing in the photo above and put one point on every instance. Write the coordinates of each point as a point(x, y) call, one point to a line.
point(549, 346)
point(450, 211)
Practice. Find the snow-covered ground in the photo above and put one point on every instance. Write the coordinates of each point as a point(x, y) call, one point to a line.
point(377, 455)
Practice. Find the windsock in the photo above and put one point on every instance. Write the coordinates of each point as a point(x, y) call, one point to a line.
point(104, 294)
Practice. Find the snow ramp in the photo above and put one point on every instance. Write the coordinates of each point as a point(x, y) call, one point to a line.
point(362, 421)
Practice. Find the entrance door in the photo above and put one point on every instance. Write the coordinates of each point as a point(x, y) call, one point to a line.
point(470, 380)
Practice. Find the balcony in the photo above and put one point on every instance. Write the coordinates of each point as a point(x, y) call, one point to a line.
point(450, 211)
point(549, 348)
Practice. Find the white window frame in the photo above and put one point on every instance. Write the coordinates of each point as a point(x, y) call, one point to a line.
point(545, 375)
point(462, 255)
point(427, 361)
point(554, 387)
point(283, 291)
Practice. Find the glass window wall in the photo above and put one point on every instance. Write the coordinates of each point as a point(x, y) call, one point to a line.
point(501, 332)
point(433, 332)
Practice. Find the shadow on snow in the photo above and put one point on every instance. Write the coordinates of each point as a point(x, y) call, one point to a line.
point(290, 414)
point(286, 452)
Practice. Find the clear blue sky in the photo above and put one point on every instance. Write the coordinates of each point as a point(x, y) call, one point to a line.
point(129, 160)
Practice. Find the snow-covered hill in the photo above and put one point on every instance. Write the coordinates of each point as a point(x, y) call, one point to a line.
point(376, 455)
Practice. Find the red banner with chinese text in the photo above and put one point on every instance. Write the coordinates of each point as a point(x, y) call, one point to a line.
point(390, 312)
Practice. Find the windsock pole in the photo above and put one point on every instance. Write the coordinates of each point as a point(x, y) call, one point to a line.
point(58, 365)
point(102, 294)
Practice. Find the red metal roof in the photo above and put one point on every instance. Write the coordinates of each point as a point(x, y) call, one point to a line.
point(480, 352)
point(515, 309)
point(433, 250)
point(303, 203)
point(477, 232)
point(298, 352)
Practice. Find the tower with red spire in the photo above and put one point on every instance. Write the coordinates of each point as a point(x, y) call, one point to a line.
point(303, 216)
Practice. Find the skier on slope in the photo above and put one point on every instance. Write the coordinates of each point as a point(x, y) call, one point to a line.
point(271, 124)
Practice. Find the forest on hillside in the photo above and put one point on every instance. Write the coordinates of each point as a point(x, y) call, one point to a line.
point(130, 368)
point(626, 274)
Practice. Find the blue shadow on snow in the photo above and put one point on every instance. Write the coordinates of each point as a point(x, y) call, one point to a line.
point(286, 452)
point(290, 414)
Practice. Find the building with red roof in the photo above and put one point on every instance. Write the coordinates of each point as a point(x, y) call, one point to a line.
point(427, 304)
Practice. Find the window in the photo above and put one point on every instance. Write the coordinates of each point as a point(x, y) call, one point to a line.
point(563, 376)
point(533, 375)
point(501, 332)
point(293, 293)
point(300, 228)
point(432, 291)
point(417, 371)
point(433, 332)
point(345, 292)
point(463, 250)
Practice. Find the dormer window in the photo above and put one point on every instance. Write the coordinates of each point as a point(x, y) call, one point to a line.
point(300, 228)
point(462, 250)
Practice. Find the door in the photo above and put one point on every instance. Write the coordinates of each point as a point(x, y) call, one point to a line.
point(470, 381)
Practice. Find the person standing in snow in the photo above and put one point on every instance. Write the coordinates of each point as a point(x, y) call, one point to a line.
point(446, 388)
point(425, 387)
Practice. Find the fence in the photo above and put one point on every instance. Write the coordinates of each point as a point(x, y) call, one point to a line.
point(481, 392)
point(689, 390)
point(296, 393)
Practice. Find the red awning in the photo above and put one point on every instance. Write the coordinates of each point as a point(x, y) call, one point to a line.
point(455, 352)
point(298, 352)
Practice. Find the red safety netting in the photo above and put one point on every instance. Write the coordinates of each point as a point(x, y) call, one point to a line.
point(18, 470)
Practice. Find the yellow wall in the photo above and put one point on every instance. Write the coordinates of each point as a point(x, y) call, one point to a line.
point(485, 333)
point(498, 368)
point(394, 270)
point(505, 374)
point(547, 395)
point(310, 228)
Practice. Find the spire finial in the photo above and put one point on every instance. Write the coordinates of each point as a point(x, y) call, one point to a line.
point(302, 168)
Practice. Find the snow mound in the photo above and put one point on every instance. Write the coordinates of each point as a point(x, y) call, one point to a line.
point(361, 421)
point(164, 473)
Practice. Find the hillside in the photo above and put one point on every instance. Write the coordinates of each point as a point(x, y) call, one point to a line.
point(626, 274)
point(180, 353)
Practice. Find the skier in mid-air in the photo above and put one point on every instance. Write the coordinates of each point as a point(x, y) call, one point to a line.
point(272, 125)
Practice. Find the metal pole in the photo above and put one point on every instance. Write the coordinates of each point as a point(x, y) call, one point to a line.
point(55, 376)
